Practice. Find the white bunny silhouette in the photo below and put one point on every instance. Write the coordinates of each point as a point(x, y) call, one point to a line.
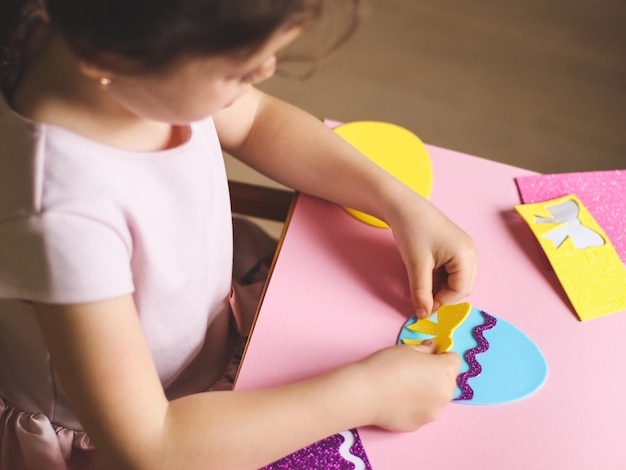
point(566, 213)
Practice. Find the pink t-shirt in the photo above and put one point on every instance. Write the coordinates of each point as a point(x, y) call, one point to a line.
point(81, 222)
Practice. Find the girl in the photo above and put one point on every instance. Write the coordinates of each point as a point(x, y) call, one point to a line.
point(116, 243)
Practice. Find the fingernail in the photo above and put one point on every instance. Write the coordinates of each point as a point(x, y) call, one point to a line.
point(421, 313)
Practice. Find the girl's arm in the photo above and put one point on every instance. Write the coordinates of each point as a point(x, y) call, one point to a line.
point(106, 370)
point(299, 151)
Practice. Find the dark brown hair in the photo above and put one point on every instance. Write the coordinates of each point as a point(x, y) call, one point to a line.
point(15, 16)
point(151, 34)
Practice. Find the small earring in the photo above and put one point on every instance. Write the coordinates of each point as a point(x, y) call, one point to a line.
point(105, 82)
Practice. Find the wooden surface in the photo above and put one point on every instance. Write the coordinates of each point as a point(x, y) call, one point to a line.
point(539, 84)
point(260, 201)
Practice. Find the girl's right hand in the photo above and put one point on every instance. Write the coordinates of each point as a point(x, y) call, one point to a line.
point(407, 386)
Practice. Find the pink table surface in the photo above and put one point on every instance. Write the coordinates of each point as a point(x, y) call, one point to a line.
point(339, 292)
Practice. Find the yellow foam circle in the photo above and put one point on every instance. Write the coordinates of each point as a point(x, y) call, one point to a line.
point(395, 149)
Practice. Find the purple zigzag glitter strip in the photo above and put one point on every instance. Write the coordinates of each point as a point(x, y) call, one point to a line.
point(467, 393)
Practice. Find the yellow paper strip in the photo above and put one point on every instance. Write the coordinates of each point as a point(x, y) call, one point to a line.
point(582, 256)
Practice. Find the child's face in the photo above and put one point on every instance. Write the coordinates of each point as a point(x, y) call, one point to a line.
point(198, 87)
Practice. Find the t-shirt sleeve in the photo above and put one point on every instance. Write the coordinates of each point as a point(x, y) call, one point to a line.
point(63, 258)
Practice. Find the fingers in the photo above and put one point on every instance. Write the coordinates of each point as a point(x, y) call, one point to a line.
point(441, 269)
point(453, 360)
point(460, 281)
point(430, 290)
point(426, 346)
point(421, 285)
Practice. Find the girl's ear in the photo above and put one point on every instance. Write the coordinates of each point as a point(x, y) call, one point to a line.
point(110, 64)
point(93, 71)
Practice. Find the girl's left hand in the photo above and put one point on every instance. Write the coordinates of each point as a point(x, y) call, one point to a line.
point(260, 130)
point(439, 256)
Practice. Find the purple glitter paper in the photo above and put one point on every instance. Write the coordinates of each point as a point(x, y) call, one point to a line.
point(467, 393)
point(324, 454)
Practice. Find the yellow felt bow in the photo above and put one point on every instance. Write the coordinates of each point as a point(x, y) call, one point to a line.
point(449, 317)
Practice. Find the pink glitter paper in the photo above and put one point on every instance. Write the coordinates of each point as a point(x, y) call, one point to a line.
point(602, 192)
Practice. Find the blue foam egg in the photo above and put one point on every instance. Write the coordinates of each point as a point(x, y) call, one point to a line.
point(508, 365)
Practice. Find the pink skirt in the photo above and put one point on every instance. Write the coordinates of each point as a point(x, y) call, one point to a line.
point(31, 442)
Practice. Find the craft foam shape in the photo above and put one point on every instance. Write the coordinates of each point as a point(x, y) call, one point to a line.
point(582, 256)
point(449, 317)
point(396, 150)
point(602, 192)
point(500, 364)
point(340, 451)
